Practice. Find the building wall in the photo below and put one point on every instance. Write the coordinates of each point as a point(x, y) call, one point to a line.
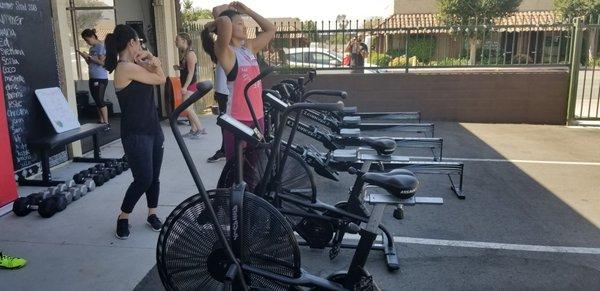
point(431, 6)
point(534, 97)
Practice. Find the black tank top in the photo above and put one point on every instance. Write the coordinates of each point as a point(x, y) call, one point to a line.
point(139, 115)
point(183, 70)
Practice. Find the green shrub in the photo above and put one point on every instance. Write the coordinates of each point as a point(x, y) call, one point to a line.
point(445, 62)
point(401, 61)
point(395, 53)
point(379, 60)
point(421, 47)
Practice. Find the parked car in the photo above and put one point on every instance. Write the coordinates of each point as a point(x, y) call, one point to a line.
point(311, 57)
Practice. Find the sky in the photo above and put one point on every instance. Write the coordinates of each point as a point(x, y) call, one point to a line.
point(311, 9)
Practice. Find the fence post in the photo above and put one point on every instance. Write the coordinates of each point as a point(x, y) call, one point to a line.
point(406, 65)
point(575, 59)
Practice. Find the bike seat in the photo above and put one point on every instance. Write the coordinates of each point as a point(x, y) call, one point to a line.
point(400, 182)
point(351, 110)
point(351, 120)
point(350, 132)
point(383, 146)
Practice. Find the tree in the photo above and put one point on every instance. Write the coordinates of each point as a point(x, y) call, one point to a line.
point(469, 12)
point(311, 29)
point(582, 8)
point(341, 21)
point(577, 8)
point(190, 14)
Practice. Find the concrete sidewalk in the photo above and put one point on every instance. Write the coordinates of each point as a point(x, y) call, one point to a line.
point(529, 189)
point(77, 249)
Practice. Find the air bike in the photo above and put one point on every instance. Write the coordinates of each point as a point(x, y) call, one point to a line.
point(231, 239)
point(294, 91)
point(350, 120)
point(283, 177)
point(399, 116)
point(372, 154)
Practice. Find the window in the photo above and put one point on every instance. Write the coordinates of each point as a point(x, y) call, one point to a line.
point(98, 14)
point(94, 3)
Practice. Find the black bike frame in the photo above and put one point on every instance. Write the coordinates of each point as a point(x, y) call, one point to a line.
point(203, 89)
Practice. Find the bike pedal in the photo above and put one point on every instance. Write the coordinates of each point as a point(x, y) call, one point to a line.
point(334, 252)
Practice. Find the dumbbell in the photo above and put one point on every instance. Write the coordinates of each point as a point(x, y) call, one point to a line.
point(59, 201)
point(53, 204)
point(100, 171)
point(124, 162)
point(118, 166)
point(83, 176)
point(112, 172)
point(62, 187)
point(89, 184)
point(24, 205)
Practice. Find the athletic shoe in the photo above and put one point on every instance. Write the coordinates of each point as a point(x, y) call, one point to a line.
point(219, 155)
point(192, 134)
point(196, 135)
point(154, 222)
point(122, 229)
point(8, 262)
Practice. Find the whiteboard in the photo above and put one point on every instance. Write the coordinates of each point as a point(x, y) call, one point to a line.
point(57, 109)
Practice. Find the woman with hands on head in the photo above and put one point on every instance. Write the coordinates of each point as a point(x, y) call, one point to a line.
point(236, 54)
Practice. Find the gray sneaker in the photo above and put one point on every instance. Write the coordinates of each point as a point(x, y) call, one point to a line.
point(187, 134)
point(195, 134)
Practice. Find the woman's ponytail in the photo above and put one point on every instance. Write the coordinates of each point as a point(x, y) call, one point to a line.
point(208, 43)
point(110, 64)
point(115, 43)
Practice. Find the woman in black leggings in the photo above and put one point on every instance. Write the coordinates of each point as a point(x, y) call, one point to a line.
point(98, 74)
point(136, 72)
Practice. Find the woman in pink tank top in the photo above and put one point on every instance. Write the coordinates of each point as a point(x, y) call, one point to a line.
point(236, 54)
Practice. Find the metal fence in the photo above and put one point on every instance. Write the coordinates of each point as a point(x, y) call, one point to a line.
point(584, 94)
point(571, 44)
point(325, 45)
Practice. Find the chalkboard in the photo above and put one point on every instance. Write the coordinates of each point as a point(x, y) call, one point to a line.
point(28, 61)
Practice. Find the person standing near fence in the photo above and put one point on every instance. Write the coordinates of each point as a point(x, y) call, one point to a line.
point(358, 52)
point(98, 75)
point(188, 74)
point(136, 73)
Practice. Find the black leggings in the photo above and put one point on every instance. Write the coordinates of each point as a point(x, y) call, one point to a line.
point(144, 155)
point(97, 90)
point(222, 102)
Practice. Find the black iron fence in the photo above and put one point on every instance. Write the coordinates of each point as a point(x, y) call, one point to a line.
point(335, 46)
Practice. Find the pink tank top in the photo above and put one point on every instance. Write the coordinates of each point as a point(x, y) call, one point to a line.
point(247, 69)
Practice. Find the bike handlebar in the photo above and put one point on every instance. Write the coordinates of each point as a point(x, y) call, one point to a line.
point(335, 93)
point(202, 89)
point(262, 74)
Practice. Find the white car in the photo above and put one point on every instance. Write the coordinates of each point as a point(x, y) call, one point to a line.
point(318, 58)
point(310, 57)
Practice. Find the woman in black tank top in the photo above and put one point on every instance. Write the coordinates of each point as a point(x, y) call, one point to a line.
point(136, 72)
point(188, 76)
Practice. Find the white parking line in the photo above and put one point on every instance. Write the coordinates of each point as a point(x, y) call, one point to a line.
point(522, 161)
point(488, 245)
